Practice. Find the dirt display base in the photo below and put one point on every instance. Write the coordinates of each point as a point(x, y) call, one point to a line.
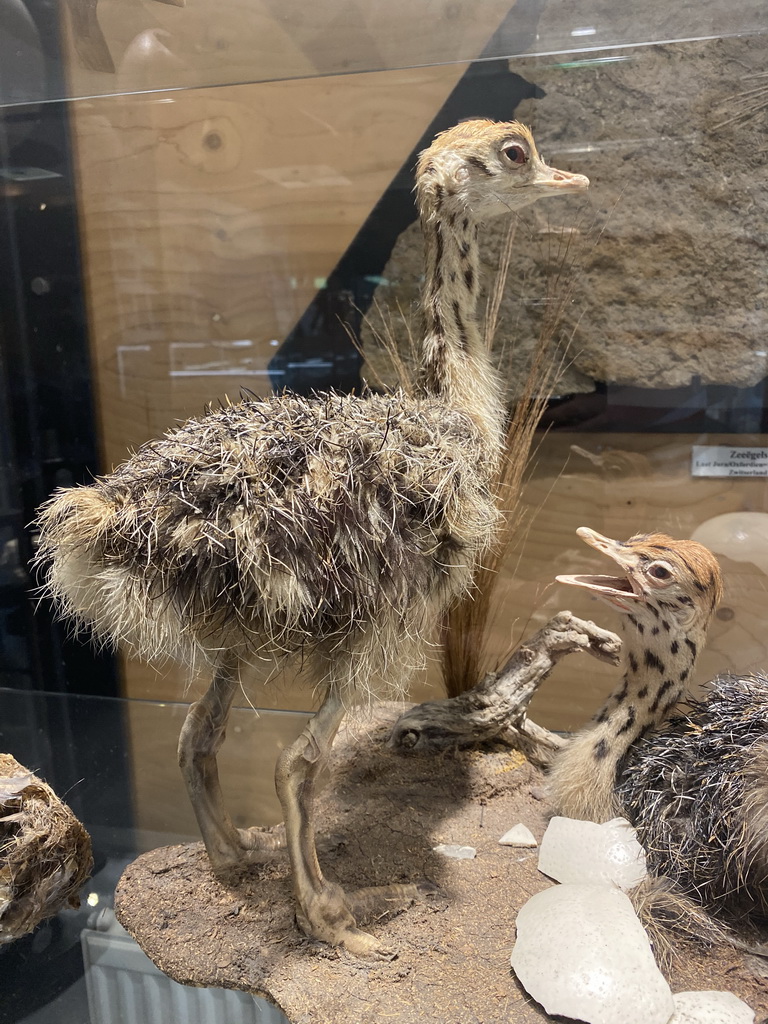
point(379, 817)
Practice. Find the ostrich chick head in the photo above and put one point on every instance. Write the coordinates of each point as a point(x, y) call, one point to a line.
point(484, 168)
point(664, 579)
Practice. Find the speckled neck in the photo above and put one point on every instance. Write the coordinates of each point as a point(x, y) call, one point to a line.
point(658, 661)
point(455, 364)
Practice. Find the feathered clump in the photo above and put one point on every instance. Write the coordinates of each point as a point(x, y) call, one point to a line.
point(333, 525)
point(45, 853)
point(697, 793)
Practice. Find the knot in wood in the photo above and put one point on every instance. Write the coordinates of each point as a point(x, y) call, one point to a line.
point(408, 738)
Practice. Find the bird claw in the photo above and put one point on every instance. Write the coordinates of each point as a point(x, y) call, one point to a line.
point(249, 846)
point(262, 840)
point(378, 901)
point(331, 914)
point(366, 946)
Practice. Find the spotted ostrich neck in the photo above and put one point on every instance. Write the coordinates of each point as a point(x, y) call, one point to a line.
point(455, 364)
point(658, 661)
point(657, 667)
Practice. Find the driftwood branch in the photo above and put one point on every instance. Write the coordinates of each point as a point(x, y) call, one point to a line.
point(496, 708)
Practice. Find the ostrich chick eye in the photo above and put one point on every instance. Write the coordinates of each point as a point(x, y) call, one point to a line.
point(659, 572)
point(516, 155)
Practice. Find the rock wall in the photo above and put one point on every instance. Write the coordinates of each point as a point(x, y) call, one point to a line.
point(660, 271)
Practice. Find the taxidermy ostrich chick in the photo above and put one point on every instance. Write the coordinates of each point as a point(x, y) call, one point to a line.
point(695, 786)
point(335, 528)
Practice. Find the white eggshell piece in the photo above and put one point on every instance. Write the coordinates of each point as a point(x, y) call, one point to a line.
point(710, 1008)
point(519, 835)
point(13, 785)
point(583, 851)
point(581, 952)
point(457, 852)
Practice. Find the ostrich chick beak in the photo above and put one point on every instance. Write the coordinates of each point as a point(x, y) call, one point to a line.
point(615, 589)
point(563, 181)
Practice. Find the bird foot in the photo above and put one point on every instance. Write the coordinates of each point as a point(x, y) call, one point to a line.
point(248, 846)
point(261, 842)
point(332, 915)
point(377, 901)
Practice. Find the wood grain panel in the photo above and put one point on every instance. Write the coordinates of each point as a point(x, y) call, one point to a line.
point(208, 219)
point(643, 484)
point(137, 45)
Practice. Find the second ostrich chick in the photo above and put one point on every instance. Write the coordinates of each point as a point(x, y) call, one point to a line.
point(334, 529)
point(695, 785)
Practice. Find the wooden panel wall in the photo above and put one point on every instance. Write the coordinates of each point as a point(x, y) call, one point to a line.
point(631, 483)
point(208, 218)
point(205, 225)
point(133, 45)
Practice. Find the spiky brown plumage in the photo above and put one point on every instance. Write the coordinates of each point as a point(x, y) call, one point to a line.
point(697, 793)
point(335, 528)
point(326, 526)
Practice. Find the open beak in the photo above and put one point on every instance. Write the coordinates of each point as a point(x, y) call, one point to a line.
point(562, 181)
point(617, 589)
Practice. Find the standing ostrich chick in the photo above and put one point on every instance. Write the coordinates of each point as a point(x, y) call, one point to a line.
point(335, 528)
point(695, 786)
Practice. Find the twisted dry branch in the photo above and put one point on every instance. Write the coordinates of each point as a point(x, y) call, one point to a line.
point(496, 708)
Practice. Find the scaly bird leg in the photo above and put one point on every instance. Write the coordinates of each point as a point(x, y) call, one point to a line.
point(201, 737)
point(323, 909)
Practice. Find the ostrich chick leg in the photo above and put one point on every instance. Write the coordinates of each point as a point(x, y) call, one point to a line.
point(323, 909)
point(201, 737)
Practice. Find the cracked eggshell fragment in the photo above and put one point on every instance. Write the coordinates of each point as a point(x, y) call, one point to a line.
point(710, 1008)
point(457, 852)
point(14, 785)
point(519, 835)
point(583, 851)
point(581, 952)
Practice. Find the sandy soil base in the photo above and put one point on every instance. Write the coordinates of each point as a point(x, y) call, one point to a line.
point(379, 818)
